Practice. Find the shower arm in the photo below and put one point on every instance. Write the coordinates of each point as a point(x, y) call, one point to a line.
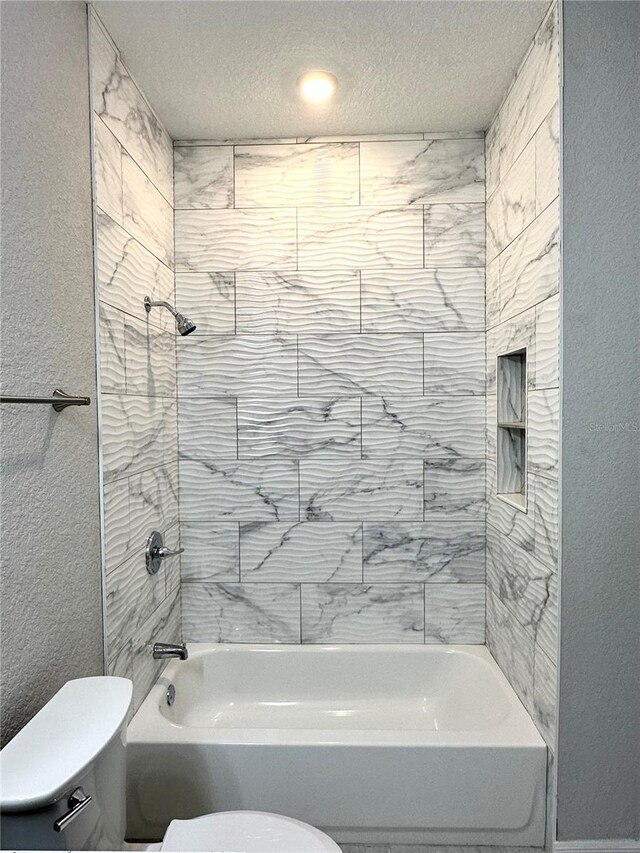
point(148, 304)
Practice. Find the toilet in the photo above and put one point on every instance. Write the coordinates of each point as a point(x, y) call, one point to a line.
point(62, 786)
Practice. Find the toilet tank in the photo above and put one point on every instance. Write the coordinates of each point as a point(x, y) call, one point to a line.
point(77, 740)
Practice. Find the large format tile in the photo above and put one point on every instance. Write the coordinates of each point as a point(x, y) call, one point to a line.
point(547, 142)
point(298, 302)
point(147, 215)
point(163, 624)
point(454, 613)
point(301, 553)
point(361, 237)
point(151, 359)
point(112, 353)
point(438, 300)
point(454, 363)
point(209, 299)
point(203, 177)
point(307, 175)
point(544, 696)
point(543, 433)
point(545, 514)
point(362, 613)
point(513, 205)
point(211, 551)
point(454, 235)
point(360, 364)
point(454, 489)
point(512, 646)
point(437, 427)
point(131, 597)
point(444, 170)
point(241, 613)
point(238, 491)
point(378, 489)
point(153, 505)
point(107, 170)
point(297, 427)
point(219, 240)
point(137, 433)
point(227, 365)
point(207, 426)
point(547, 355)
point(424, 551)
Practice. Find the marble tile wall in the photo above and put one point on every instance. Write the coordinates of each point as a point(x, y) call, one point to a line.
point(332, 401)
point(522, 272)
point(133, 191)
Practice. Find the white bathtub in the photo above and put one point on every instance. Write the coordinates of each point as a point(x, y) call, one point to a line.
point(372, 744)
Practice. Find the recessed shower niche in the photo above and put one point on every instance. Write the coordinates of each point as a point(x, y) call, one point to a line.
point(511, 430)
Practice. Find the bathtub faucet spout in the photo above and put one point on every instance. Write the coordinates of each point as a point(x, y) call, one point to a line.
point(170, 650)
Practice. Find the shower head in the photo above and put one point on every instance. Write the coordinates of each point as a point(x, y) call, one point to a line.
point(184, 325)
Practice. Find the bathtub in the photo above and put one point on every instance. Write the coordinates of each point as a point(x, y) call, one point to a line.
point(372, 744)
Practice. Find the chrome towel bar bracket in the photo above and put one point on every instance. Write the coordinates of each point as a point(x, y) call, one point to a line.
point(59, 400)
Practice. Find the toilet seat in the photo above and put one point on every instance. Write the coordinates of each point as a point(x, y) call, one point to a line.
point(246, 832)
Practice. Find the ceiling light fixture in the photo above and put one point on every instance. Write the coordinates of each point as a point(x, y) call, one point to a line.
point(317, 86)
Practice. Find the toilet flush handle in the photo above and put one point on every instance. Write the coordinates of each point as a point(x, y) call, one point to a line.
point(77, 802)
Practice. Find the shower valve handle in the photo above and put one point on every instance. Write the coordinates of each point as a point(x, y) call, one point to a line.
point(156, 552)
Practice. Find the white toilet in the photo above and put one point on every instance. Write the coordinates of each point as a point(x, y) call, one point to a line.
point(62, 786)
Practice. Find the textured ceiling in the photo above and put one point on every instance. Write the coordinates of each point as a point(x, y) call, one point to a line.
point(218, 69)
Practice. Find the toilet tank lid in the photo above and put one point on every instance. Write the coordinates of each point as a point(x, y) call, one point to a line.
point(53, 749)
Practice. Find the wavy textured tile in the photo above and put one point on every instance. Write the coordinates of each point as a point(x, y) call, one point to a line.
point(241, 613)
point(454, 613)
point(547, 355)
point(544, 696)
point(547, 142)
point(454, 489)
point(299, 175)
point(112, 354)
point(362, 237)
point(454, 363)
point(493, 293)
point(435, 170)
point(238, 491)
point(127, 272)
point(298, 302)
point(530, 266)
point(211, 551)
point(513, 205)
point(115, 506)
point(147, 215)
point(120, 663)
point(131, 596)
point(203, 177)
point(454, 235)
point(360, 364)
point(151, 359)
point(122, 107)
point(299, 427)
point(137, 433)
point(511, 522)
point(362, 613)
point(509, 336)
point(512, 646)
point(225, 365)
point(207, 426)
point(543, 434)
point(423, 300)
point(510, 459)
point(220, 240)
point(437, 427)
point(422, 551)
point(301, 553)
point(209, 299)
point(545, 512)
point(163, 622)
point(153, 504)
point(107, 169)
point(378, 489)
point(366, 137)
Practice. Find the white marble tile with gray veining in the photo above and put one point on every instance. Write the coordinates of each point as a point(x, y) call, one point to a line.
point(297, 427)
point(298, 175)
point(163, 625)
point(423, 551)
point(137, 432)
point(437, 427)
point(208, 426)
point(117, 540)
point(434, 170)
point(454, 489)
point(373, 490)
point(221, 240)
point(492, 155)
point(122, 107)
point(545, 512)
point(153, 503)
point(360, 364)
point(493, 293)
point(361, 237)
point(203, 177)
point(506, 518)
point(147, 215)
point(120, 662)
point(107, 170)
point(512, 646)
point(227, 365)
point(513, 205)
point(530, 265)
point(151, 359)
point(454, 235)
point(542, 431)
point(131, 596)
point(439, 300)
point(362, 613)
point(544, 696)
point(304, 552)
point(547, 142)
point(515, 334)
point(298, 302)
point(547, 355)
point(127, 272)
point(238, 491)
point(510, 460)
point(241, 613)
point(454, 613)
point(364, 137)
point(454, 363)
point(112, 351)
point(209, 299)
point(211, 551)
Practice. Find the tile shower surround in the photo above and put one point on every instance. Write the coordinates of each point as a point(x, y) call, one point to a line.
point(331, 401)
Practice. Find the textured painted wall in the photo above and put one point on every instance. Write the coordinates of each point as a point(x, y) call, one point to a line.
point(49, 506)
point(331, 403)
point(133, 186)
point(523, 266)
